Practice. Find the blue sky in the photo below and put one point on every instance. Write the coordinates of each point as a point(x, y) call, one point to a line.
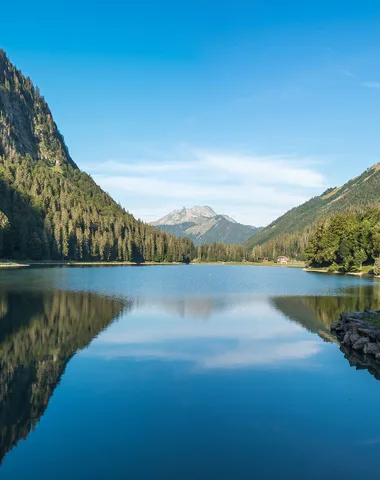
point(250, 107)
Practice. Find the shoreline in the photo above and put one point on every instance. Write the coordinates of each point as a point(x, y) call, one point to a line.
point(252, 264)
point(353, 274)
point(27, 264)
point(358, 336)
point(74, 264)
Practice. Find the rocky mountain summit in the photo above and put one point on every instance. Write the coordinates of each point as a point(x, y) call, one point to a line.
point(26, 122)
point(203, 225)
point(196, 214)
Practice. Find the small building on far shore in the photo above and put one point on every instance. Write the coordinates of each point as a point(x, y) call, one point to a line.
point(282, 259)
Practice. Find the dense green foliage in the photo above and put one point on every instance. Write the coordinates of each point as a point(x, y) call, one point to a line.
point(49, 209)
point(362, 191)
point(348, 240)
point(292, 245)
point(219, 252)
point(62, 214)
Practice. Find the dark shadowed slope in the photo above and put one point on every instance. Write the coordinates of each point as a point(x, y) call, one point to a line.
point(49, 209)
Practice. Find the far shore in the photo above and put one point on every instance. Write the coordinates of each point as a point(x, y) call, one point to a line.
point(254, 264)
point(47, 263)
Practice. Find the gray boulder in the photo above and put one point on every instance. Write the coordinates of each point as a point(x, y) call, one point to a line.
point(371, 348)
point(359, 345)
point(368, 332)
point(355, 337)
point(347, 339)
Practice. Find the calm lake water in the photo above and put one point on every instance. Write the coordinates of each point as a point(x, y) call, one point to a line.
point(182, 372)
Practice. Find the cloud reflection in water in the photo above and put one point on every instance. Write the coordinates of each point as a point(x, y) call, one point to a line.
point(210, 332)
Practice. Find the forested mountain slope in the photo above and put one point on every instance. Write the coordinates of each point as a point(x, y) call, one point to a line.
point(363, 190)
point(49, 209)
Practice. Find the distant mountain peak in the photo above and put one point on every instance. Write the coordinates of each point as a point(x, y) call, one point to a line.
point(184, 215)
point(203, 225)
point(375, 166)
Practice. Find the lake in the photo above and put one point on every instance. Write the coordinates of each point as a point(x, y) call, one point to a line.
point(183, 372)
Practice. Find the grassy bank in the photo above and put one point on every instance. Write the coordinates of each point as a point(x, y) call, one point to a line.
point(366, 270)
point(254, 264)
point(12, 265)
point(373, 318)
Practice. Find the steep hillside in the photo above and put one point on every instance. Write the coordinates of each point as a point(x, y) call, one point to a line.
point(203, 225)
point(49, 209)
point(26, 123)
point(363, 190)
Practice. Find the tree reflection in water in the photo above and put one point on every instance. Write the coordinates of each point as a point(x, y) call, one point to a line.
point(39, 333)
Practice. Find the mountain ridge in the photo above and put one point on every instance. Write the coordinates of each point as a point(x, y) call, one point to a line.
point(26, 122)
point(360, 191)
point(203, 225)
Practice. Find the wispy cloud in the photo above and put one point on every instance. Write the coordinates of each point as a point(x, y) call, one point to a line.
point(362, 82)
point(348, 73)
point(253, 189)
point(371, 84)
point(274, 169)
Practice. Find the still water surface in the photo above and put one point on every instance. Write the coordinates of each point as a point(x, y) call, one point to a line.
point(182, 372)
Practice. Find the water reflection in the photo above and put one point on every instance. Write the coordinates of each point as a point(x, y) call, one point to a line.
point(240, 331)
point(316, 313)
point(39, 333)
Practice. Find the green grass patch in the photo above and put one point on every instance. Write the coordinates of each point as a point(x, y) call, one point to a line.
point(373, 318)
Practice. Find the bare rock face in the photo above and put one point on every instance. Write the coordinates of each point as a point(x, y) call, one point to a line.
point(203, 225)
point(26, 122)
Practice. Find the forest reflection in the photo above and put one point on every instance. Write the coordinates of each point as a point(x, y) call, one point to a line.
point(316, 313)
point(39, 333)
point(41, 330)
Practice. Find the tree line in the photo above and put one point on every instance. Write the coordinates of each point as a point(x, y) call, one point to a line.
point(292, 245)
point(59, 213)
point(220, 252)
point(346, 241)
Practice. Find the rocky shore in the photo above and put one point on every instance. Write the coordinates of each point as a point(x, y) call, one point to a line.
point(359, 332)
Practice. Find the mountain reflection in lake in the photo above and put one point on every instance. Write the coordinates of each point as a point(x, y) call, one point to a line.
point(39, 333)
point(118, 372)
